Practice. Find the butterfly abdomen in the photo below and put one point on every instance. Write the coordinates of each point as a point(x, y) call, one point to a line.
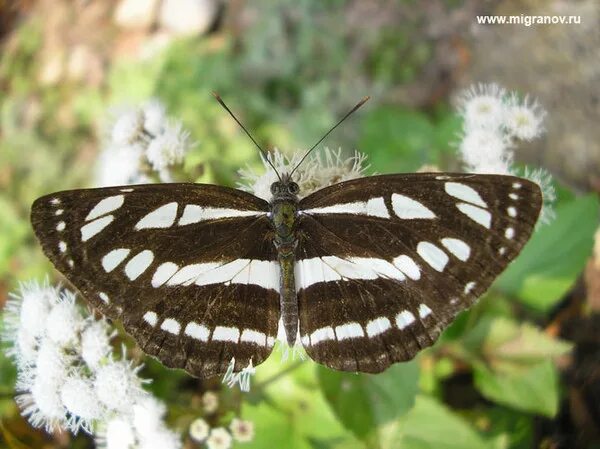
point(284, 209)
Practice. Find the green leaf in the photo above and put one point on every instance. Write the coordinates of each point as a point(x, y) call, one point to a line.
point(431, 425)
point(396, 139)
point(291, 411)
point(554, 257)
point(534, 389)
point(510, 344)
point(362, 402)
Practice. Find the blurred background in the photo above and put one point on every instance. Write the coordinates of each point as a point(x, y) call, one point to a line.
point(519, 370)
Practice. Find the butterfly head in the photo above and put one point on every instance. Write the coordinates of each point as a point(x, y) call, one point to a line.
point(285, 188)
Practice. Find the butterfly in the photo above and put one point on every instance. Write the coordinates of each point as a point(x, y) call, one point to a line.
point(364, 273)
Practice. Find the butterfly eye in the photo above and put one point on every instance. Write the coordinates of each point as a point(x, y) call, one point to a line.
point(275, 188)
point(293, 188)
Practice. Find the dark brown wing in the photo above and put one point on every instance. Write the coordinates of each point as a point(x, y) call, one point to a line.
point(189, 269)
point(386, 263)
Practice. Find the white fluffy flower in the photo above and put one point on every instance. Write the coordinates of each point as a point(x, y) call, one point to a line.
point(524, 119)
point(242, 431)
point(219, 439)
point(118, 434)
point(483, 106)
point(155, 117)
point(199, 430)
point(169, 147)
point(78, 396)
point(95, 343)
point(25, 349)
point(317, 171)
point(128, 128)
point(43, 405)
point(210, 402)
point(148, 414)
point(35, 307)
point(68, 380)
point(486, 151)
point(120, 165)
point(117, 385)
point(64, 321)
point(52, 362)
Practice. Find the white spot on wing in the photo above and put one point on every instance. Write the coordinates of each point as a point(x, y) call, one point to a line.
point(150, 318)
point(469, 287)
point(375, 207)
point(192, 213)
point(465, 193)
point(163, 273)
point(138, 264)
point(252, 336)
point(171, 325)
point(509, 233)
point(59, 212)
point(61, 226)
point(104, 297)
point(105, 206)
point(516, 185)
point(332, 268)
point(197, 331)
point(62, 246)
point(511, 211)
point(404, 319)
point(188, 273)
point(513, 196)
point(407, 208)
point(378, 326)
point(478, 215)
point(163, 217)
point(112, 259)
point(349, 330)
point(424, 311)
point(408, 266)
point(223, 333)
point(457, 247)
point(322, 334)
point(91, 229)
point(433, 255)
point(55, 201)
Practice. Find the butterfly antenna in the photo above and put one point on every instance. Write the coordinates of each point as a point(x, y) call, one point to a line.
point(263, 152)
point(358, 105)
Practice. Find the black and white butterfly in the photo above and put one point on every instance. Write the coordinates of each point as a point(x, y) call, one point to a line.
point(365, 273)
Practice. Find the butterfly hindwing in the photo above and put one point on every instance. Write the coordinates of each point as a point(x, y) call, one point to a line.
point(189, 269)
point(385, 263)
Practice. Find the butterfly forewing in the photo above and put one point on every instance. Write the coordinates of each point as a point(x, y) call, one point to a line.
point(189, 269)
point(385, 263)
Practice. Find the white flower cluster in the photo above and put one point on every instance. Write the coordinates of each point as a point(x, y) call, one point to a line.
point(239, 430)
point(142, 141)
point(493, 121)
point(317, 171)
point(219, 437)
point(68, 377)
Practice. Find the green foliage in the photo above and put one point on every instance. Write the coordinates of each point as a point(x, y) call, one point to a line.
point(512, 364)
point(401, 140)
point(383, 397)
point(431, 425)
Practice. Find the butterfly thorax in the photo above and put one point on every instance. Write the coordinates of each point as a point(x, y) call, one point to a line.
point(284, 208)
